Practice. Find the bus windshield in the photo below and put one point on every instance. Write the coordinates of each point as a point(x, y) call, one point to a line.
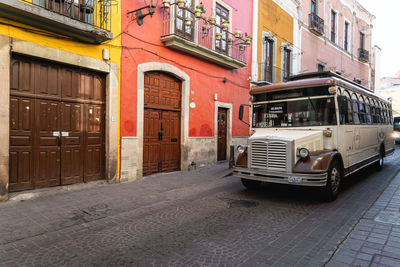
point(317, 111)
point(396, 124)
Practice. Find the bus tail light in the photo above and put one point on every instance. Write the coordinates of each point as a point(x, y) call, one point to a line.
point(332, 90)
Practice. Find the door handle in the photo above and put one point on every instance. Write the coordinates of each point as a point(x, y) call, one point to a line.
point(161, 135)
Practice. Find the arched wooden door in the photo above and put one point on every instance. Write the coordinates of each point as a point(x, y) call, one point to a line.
point(162, 121)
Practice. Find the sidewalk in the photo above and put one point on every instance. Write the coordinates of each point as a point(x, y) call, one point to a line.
point(375, 239)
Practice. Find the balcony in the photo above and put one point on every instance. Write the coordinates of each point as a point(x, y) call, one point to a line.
point(194, 41)
point(316, 24)
point(363, 55)
point(87, 21)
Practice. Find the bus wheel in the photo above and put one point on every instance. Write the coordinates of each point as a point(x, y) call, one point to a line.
point(333, 181)
point(379, 163)
point(251, 184)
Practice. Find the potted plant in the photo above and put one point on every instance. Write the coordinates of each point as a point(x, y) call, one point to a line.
point(225, 25)
point(248, 39)
point(181, 3)
point(218, 36)
point(238, 34)
point(199, 10)
point(166, 3)
point(242, 47)
point(205, 29)
point(211, 20)
point(188, 21)
point(230, 41)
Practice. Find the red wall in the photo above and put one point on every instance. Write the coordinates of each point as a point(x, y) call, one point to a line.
point(142, 44)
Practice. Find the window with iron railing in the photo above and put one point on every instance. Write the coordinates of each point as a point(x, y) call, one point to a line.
point(221, 15)
point(287, 57)
point(181, 28)
point(316, 24)
point(269, 59)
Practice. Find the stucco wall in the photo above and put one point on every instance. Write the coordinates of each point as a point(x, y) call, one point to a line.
point(274, 20)
point(321, 49)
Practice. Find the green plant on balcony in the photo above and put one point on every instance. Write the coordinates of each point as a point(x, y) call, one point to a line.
point(205, 29)
point(218, 36)
point(238, 34)
point(225, 25)
point(248, 39)
point(211, 20)
point(199, 10)
point(181, 3)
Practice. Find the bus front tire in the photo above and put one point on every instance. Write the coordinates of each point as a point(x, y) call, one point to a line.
point(333, 182)
point(380, 162)
point(251, 184)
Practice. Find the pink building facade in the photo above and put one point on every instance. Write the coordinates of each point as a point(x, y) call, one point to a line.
point(336, 36)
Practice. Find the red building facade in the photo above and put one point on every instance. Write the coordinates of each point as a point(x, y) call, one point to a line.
point(182, 85)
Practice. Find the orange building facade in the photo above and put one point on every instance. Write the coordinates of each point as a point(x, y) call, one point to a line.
point(182, 84)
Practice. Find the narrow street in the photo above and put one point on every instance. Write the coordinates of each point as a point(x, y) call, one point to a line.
point(199, 218)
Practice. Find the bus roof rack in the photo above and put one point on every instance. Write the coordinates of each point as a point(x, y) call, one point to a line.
point(321, 74)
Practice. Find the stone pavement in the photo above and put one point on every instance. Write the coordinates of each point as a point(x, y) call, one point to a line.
point(375, 239)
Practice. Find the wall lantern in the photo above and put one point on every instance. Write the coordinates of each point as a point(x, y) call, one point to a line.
point(139, 14)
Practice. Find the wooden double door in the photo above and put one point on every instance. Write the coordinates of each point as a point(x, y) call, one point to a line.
point(162, 120)
point(56, 125)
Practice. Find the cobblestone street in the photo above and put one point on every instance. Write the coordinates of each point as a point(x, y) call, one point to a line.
point(201, 218)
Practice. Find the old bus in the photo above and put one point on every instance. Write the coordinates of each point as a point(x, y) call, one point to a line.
point(313, 130)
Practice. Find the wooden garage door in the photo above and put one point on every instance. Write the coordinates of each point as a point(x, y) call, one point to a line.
point(56, 125)
point(161, 142)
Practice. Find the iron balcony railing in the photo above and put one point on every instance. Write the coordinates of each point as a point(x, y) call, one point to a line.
point(316, 24)
point(235, 48)
point(273, 74)
point(94, 12)
point(363, 54)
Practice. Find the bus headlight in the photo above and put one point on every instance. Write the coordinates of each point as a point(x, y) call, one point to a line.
point(241, 148)
point(304, 153)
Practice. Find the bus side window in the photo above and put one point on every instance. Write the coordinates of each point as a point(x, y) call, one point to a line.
point(378, 115)
point(368, 112)
point(356, 110)
point(363, 119)
point(343, 109)
point(372, 114)
point(350, 117)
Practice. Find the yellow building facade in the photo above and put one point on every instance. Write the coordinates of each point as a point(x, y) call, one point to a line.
point(275, 42)
point(59, 69)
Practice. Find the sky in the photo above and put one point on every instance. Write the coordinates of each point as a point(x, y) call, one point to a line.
point(386, 33)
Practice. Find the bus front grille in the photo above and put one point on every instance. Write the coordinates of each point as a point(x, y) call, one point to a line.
point(259, 154)
point(268, 155)
point(277, 156)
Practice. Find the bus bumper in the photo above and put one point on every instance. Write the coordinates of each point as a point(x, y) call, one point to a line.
point(305, 179)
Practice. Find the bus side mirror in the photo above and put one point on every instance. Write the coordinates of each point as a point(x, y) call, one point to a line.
point(241, 112)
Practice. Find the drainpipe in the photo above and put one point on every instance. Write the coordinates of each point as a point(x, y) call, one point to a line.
point(254, 52)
